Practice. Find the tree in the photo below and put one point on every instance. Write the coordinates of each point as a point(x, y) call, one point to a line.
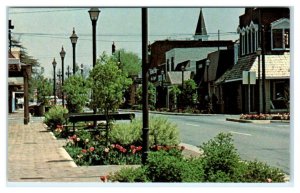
point(108, 84)
point(76, 89)
point(130, 63)
point(44, 89)
point(189, 93)
point(174, 93)
point(151, 95)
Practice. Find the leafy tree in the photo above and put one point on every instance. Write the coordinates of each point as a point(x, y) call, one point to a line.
point(108, 84)
point(44, 88)
point(130, 63)
point(189, 93)
point(151, 95)
point(174, 94)
point(76, 90)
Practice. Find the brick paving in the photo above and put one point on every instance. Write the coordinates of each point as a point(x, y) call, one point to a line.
point(35, 156)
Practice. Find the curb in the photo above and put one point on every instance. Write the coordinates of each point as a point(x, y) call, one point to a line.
point(190, 147)
point(249, 121)
point(167, 113)
point(257, 121)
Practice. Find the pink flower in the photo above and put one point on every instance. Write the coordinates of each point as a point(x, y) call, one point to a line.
point(133, 151)
point(83, 150)
point(132, 147)
point(139, 148)
point(113, 145)
point(92, 149)
point(104, 178)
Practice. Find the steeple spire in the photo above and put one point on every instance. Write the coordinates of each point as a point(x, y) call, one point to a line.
point(201, 33)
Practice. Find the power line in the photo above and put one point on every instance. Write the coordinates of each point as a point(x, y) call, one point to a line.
point(47, 11)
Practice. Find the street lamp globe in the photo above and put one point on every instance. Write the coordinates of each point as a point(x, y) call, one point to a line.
point(73, 37)
point(207, 62)
point(62, 52)
point(258, 51)
point(54, 63)
point(94, 13)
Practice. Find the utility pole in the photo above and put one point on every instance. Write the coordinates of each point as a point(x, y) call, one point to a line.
point(68, 72)
point(145, 67)
point(263, 76)
point(10, 27)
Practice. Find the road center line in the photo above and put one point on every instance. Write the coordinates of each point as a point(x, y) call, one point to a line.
point(192, 125)
point(247, 134)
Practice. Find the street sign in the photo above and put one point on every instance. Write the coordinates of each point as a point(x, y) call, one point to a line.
point(249, 77)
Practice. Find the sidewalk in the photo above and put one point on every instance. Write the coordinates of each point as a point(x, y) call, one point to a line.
point(34, 155)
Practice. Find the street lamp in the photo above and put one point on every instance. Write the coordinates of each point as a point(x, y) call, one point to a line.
point(62, 55)
point(182, 70)
point(81, 69)
point(208, 86)
point(94, 13)
point(258, 52)
point(54, 80)
point(73, 39)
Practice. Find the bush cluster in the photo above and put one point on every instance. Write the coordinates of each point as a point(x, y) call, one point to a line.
point(161, 132)
point(55, 116)
point(220, 162)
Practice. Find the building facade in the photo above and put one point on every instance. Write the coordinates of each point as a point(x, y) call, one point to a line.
point(265, 50)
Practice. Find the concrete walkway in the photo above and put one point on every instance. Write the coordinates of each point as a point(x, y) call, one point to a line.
point(34, 155)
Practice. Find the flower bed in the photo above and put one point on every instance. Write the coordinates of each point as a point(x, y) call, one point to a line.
point(284, 116)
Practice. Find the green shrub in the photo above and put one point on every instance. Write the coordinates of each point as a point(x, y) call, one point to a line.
point(193, 170)
point(162, 167)
point(260, 172)
point(84, 137)
point(55, 116)
point(161, 132)
point(76, 89)
point(220, 159)
point(126, 133)
point(130, 175)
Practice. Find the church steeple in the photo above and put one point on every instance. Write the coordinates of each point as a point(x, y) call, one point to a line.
point(201, 33)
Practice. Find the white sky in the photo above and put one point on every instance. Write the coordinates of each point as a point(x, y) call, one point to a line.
point(52, 48)
point(43, 31)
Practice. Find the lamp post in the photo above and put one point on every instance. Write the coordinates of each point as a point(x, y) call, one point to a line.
point(145, 74)
point(208, 86)
point(182, 70)
point(263, 75)
point(258, 52)
point(81, 69)
point(54, 80)
point(73, 39)
point(94, 13)
point(62, 55)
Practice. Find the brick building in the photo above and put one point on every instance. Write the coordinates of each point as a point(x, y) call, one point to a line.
point(264, 42)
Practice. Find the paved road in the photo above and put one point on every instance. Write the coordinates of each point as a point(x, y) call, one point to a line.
point(265, 142)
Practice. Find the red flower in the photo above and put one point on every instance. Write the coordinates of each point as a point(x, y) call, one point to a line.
point(119, 147)
point(132, 147)
point(83, 150)
point(104, 178)
point(133, 151)
point(92, 149)
point(139, 148)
